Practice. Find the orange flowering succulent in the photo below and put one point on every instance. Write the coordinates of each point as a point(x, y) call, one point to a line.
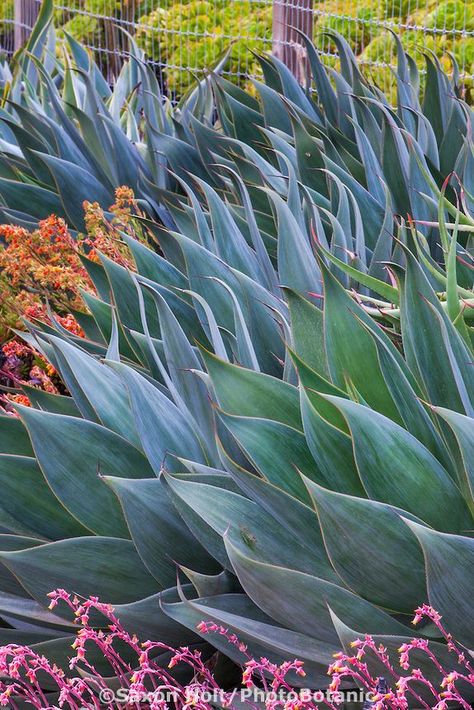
point(101, 238)
point(19, 399)
point(40, 265)
point(103, 235)
point(44, 266)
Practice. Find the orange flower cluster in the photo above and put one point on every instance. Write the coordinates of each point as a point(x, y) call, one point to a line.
point(70, 323)
point(44, 258)
point(104, 236)
point(124, 207)
point(38, 266)
point(15, 348)
point(44, 266)
point(38, 311)
point(101, 237)
point(19, 399)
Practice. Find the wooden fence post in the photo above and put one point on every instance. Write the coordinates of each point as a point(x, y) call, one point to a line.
point(116, 42)
point(25, 14)
point(289, 16)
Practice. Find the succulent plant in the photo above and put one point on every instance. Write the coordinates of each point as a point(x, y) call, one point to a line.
point(67, 137)
point(263, 402)
point(307, 469)
point(208, 27)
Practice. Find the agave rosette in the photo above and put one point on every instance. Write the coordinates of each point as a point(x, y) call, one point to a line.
point(278, 402)
point(66, 136)
point(307, 470)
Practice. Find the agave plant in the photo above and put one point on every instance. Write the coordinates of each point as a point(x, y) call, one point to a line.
point(263, 402)
point(66, 136)
point(301, 456)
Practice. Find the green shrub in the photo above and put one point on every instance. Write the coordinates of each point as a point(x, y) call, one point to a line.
point(6, 13)
point(189, 36)
point(356, 24)
point(186, 37)
point(452, 15)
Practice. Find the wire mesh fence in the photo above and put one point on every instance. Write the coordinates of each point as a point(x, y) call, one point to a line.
point(17, 18)
point(7, 26)
point(183, 37)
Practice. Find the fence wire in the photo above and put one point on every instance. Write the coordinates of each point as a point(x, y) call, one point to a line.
point(183, 37)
